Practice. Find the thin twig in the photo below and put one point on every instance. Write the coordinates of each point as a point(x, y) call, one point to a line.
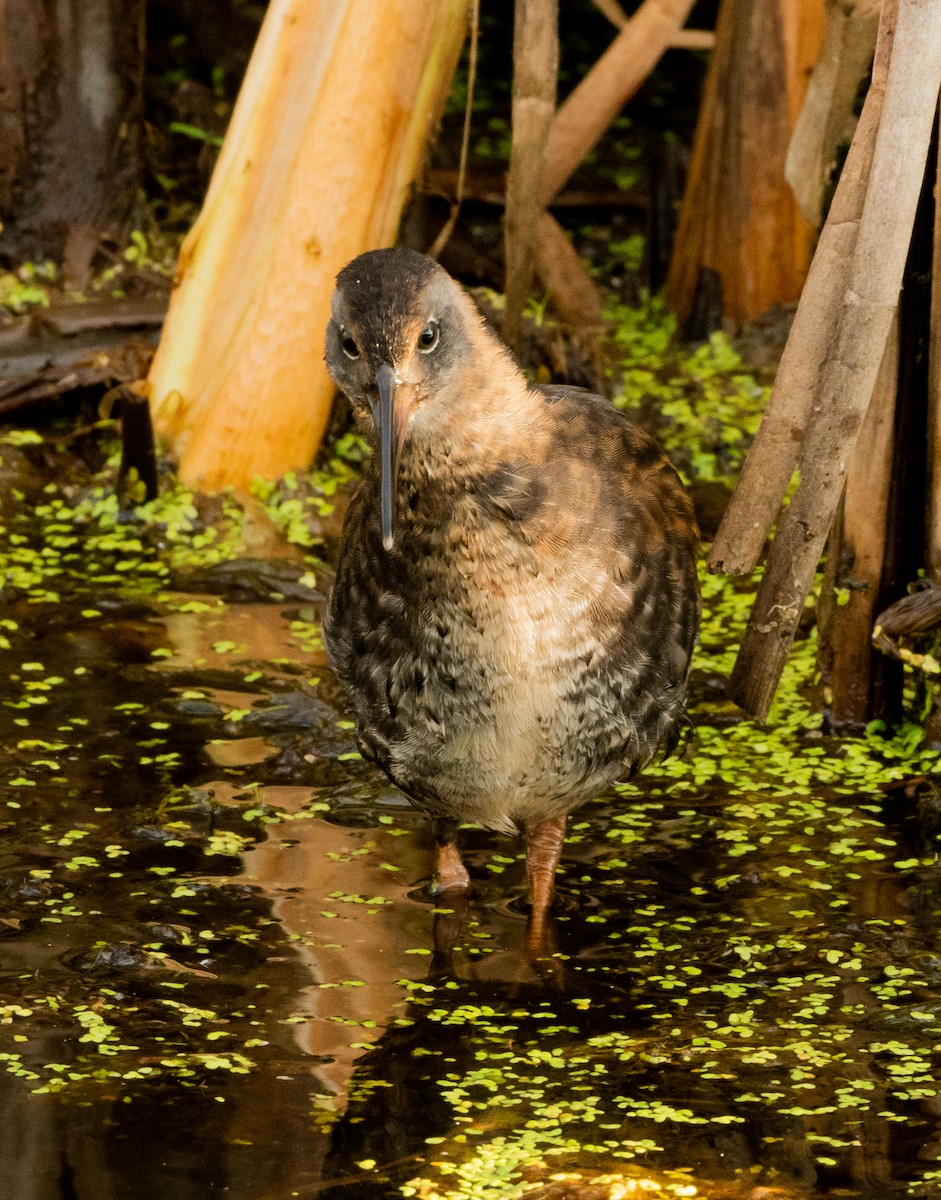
point(613, 11)
point(683, 39)
point(441, 240)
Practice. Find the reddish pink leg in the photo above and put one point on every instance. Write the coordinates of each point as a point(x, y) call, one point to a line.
point(450, 874)
point(543, 850)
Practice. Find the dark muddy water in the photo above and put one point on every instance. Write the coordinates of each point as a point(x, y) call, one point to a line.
point(222, 973)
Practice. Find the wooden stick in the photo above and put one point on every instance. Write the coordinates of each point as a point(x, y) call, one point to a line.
point(683, 39)
point(692, 39)
point(933, 519)
point(138, 451)
point(773, 456)
point(489, 187)
point(577, 127)
point(844, 60)
point(849, 374)
point(444, 234)
point(856, 558)
point(571, 289)
point(615, 77)
point(613, 11)
point(535, 70)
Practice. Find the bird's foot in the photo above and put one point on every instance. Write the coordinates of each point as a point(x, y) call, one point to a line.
point(450, 874)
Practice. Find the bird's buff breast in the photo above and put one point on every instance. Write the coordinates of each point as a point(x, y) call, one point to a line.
point(489, 725)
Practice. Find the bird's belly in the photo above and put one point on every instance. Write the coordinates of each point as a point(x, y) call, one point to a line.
point(514, 737)
point(478, 779)
point(496, 681)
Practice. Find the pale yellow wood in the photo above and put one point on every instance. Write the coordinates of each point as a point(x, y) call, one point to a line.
point(337, 108)
point(693, 39)
point(685, 39)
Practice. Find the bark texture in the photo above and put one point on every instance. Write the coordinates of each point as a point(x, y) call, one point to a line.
point(848, 375)
point(71, 73)
point(856, 678)
point(933, 490)
point(826, 117)
point(738, 218)
point(772, 459)
point(535, 69)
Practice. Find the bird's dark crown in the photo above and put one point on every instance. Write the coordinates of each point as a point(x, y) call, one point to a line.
point(386, 278)
point(384, 301)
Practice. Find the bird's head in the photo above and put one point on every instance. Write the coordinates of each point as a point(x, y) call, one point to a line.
point(396, 345)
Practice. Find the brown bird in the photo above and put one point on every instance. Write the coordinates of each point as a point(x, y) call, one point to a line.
point(516, 600)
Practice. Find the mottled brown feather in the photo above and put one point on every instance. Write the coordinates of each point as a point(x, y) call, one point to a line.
point(527, 638)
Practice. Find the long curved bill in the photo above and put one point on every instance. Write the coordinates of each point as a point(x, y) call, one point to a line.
point(391, 416)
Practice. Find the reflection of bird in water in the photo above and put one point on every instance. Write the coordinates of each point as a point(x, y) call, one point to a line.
point(516, 601)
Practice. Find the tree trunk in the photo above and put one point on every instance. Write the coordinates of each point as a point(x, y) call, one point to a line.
point(738, 218)
point(933, 489)
point(330, 129)
point(535, 70)
point(71, 74)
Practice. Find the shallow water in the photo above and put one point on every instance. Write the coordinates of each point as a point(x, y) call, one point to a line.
point(222, 973)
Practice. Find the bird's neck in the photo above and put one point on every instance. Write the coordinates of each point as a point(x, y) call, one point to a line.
point(485, 414)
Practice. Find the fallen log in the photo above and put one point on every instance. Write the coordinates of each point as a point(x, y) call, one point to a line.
point(917, 613)
point(58, 334)
point(67, 347)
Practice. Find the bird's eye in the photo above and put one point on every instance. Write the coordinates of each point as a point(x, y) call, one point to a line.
point(428, 338)
point(348, 345)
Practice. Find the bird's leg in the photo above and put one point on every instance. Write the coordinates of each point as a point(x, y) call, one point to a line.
point(450, 874)
point(544, 843)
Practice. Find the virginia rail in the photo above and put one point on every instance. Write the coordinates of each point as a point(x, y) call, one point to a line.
point(516, 600)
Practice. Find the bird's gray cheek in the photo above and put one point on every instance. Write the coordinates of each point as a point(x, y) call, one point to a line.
point(428, 436)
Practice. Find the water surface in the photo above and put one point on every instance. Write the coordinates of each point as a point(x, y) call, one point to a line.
point(223, 974)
